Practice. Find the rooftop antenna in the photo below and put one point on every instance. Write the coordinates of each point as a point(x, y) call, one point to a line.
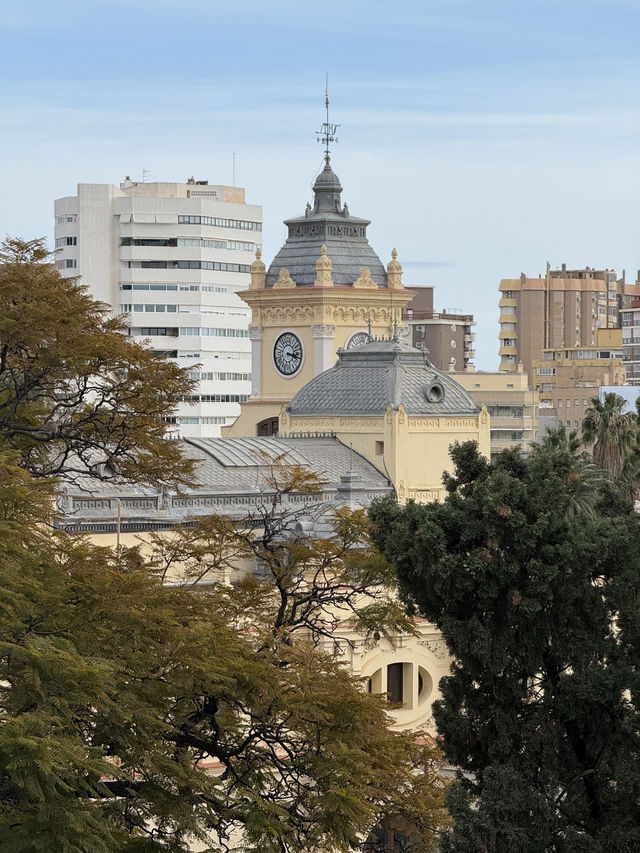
point(328, 132)
point(145, 175)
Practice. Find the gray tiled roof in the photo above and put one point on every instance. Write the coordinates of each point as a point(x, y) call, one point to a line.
point(328, 222)
point(367, 379)
point(231, 479)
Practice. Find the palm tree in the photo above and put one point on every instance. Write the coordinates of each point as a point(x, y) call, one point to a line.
point(583, 477)
point(612, 433)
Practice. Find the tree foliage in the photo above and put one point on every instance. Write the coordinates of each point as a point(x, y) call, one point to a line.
point(611, 432)
point(143, 717)
point(532, 573)
point(140, 716)
point(77, 394)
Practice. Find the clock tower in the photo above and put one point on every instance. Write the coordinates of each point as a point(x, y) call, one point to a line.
point(326, 289)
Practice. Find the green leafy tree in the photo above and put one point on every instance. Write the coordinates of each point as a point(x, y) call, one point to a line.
point(537, 598)
point(141, 717)
point(137, 716)
point(77, 395)
point(611, 432)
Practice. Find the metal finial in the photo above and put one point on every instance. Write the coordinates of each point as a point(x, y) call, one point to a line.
point(369, 325)
point(328, 132)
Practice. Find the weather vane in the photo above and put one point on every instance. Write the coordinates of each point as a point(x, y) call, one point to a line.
point(328, 132)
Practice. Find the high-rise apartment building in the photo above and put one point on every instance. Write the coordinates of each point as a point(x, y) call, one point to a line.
point(447, 336)
point(631, 341)
point(512, 406)
point(562, 309)
point(172, 257)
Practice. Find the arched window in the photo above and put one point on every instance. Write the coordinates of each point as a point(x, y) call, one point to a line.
point(269, 426)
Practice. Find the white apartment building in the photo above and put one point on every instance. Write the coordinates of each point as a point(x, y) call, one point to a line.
point(172, 257)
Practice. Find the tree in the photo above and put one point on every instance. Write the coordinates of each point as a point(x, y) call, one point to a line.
point(137, 716)
point(612, 433)
point(538, 602)
point(77, 395)
point(119, 695)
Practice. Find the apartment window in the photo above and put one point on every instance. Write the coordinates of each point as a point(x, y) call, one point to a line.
point(584, 403)
point(136, 241)
point(379, 448)
point(203, 243)
point(221, 223)
point(559, 404)
point(499, 411)
point(220, 377)
point(205, 331)
point(191, 420)
point(212, 265)
point(156, 331)
point(216, 398)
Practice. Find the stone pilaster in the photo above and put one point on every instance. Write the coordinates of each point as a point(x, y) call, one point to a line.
point(323, 347)
point(256, 334)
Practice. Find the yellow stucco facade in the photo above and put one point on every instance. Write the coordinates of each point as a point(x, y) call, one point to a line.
point(412, 451)
point(324, 318)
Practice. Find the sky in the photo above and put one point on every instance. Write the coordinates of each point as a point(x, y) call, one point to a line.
point(482, 139)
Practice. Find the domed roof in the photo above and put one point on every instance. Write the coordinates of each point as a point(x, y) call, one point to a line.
point(327, 179)
point(327, 223)
point(367, 379)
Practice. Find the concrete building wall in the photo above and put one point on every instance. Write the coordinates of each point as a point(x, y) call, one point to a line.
point(172, 258)
point(448, 336)
point(511, 404)
point(563, 308)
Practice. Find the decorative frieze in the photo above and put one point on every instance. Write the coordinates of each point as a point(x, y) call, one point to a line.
point(284, 280)
point(364, 280)
point(437, 647)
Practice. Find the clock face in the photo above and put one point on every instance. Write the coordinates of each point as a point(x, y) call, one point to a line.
point(287, 353)
point(358, 340)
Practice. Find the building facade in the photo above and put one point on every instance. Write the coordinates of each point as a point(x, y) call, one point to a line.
point(562, 309)
point(511, 403)
point(326, 289)
point(631, 341)
point(395, 409)
point(567, 380)
point(172, 258)
point(447, 336)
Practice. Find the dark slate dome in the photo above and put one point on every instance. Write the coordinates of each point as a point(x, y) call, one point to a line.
point(367, 379)
point(328, 222)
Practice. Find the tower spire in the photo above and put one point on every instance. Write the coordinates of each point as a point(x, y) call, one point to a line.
point(327, 133)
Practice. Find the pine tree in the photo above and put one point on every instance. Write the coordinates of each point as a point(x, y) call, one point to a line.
point(532, 573)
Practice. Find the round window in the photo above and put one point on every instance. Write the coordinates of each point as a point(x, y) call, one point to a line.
point(434, 392)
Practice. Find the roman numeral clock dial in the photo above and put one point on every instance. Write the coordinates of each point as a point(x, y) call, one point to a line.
point(287, 353)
